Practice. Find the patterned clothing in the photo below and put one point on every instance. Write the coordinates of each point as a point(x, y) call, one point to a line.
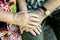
point(35, 4)
point(9, 32)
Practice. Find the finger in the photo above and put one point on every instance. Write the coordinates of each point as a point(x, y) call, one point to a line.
point(39, 29)
point(31, 31)
point(36, 30)
point(30, 26)
point(39, 26)
point(34, 15)
point(22, 27)
point(25, 28)
point(21, 31)
point(34, 19)
point(33, 24)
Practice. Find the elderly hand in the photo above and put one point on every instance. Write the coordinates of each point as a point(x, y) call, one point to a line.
point(28, 22)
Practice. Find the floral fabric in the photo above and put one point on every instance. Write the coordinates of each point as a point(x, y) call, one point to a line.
point(9, 32)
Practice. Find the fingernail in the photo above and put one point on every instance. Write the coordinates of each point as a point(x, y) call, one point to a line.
point(40, 30)
point(34, 34)
point(38, 33)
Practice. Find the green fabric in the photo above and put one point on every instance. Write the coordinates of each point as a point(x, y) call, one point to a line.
point(47, 34)
point(48, 30)
point(55, 22)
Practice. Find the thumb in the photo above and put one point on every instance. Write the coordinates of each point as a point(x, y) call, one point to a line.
point(21, 31)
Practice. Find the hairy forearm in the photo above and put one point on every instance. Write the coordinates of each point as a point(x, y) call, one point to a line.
point(6, 17)
point(18, 18)
point(52, 4)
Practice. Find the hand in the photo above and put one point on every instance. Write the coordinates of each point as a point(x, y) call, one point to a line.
point(34, 25)
point(30, 23)
point(21, 18)
point(34, 30)
point(31, 20)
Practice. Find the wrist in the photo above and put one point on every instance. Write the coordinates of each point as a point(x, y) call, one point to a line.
point(15, 19)
point(19, 18)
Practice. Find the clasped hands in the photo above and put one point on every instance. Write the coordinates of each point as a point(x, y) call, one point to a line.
point(28, 22)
